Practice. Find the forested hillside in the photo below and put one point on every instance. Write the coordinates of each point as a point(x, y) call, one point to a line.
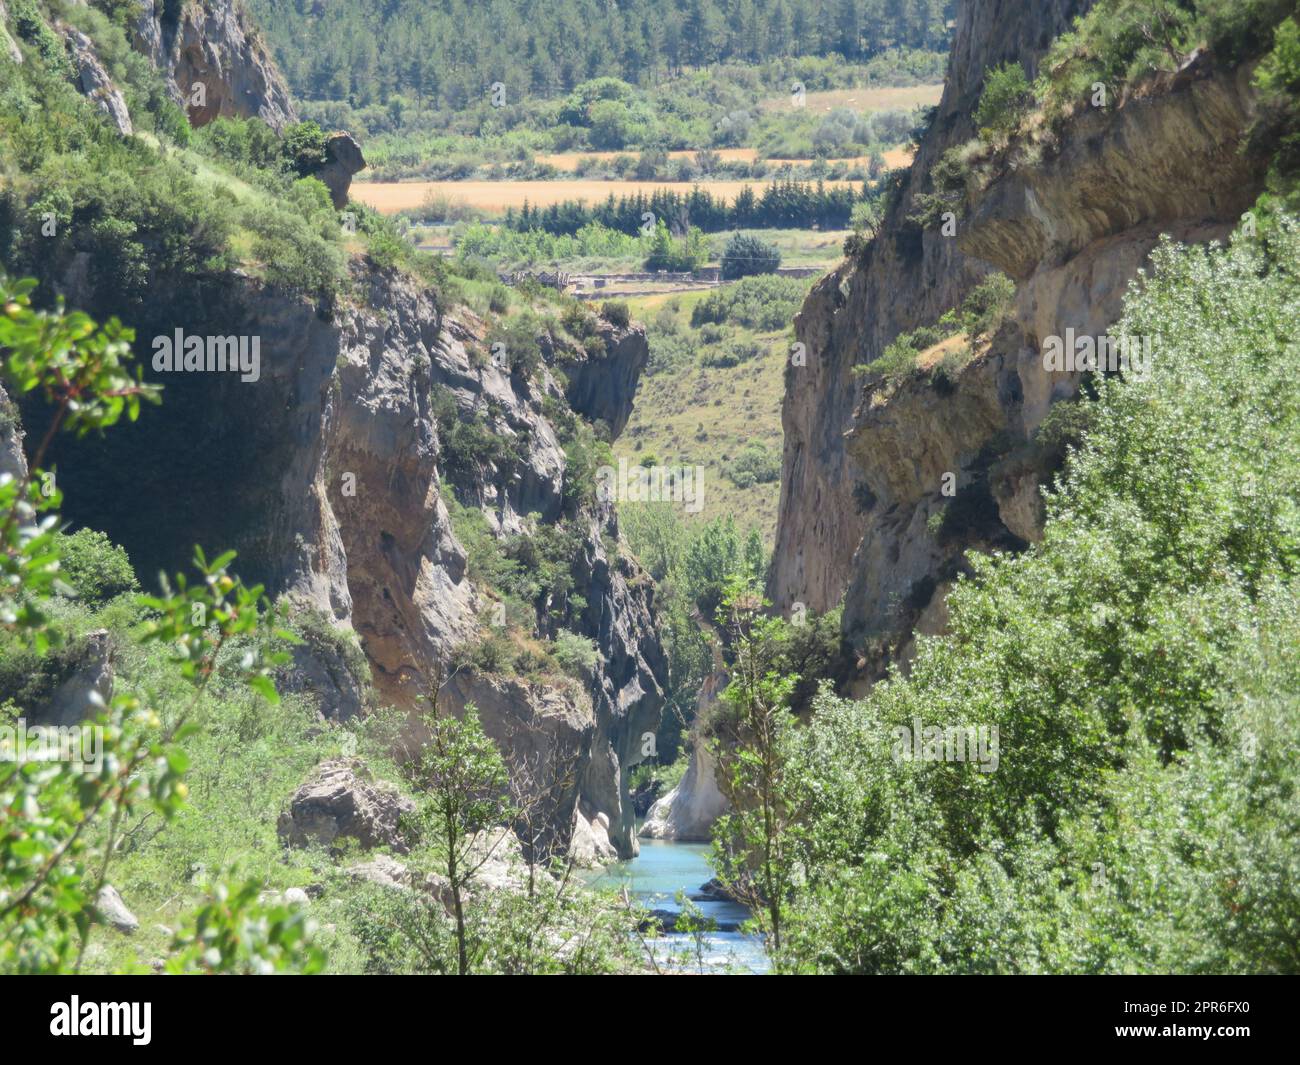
point(449, 52)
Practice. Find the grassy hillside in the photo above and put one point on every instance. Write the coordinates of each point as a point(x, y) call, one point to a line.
point(712, 394)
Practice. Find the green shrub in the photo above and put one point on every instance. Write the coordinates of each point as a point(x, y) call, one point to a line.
point(756, 464)
point(987, 305)
point(513, 344)
point(304, 148)
point(762, 303)
point(676, 255)
point(747, 254)
point(96, 567)
point(576, 654)
point(1004, 103)
point(617, 313)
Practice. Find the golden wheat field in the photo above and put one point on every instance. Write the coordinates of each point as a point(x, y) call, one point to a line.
point(496, 196)
point(894, 157)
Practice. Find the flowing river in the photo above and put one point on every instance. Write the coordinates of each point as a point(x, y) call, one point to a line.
point(654, 878)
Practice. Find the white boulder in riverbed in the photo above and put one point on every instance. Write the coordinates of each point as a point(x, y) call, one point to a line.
point(590, 844)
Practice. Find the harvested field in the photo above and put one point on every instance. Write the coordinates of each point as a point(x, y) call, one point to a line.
point(494, 197)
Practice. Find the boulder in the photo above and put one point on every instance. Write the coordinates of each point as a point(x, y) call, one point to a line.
point(343, 158)
point(113, 911)
point(338, 801)
point(383, 870)
point(85, 690)
point(590, 844)
point(390, 873)
point(502, 864)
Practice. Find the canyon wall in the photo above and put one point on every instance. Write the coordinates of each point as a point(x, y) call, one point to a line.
point(329, 474)
point(864, 519)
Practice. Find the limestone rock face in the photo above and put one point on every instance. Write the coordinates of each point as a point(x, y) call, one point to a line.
point(864, 516)
point(326, 675)
point(214, 47)
point(687, 813)
point(87, 688)
point(93, 79)
point(339, 800)
point(330, 478)
point(908, 277)
point(603, 386)
point(343, 158)
point(12, 459)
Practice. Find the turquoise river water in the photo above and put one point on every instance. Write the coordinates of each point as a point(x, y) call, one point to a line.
point(654, 878)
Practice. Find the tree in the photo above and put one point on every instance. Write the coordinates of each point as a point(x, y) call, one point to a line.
point(753, 844)
point(96, 567)
point(847, 27)
point(304, 147)
point(462, 781)
point(611, 124)
point(542, 778)
point(746, 255)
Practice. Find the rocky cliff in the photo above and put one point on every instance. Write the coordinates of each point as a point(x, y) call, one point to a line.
point(332, 476)
point(908, 276)
point(214, 59)
point(330, 469)
point(864, 516)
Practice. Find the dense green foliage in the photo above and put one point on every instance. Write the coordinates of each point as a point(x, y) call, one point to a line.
point(678, 255)
point(720, 107)
point(783, 203)
point(1119, 41)
point(73, 187)
point(1005, 101)
point(761, 303)
point(748, 255)
point(95, 567)
point(450, 53)
point(1140, 667)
